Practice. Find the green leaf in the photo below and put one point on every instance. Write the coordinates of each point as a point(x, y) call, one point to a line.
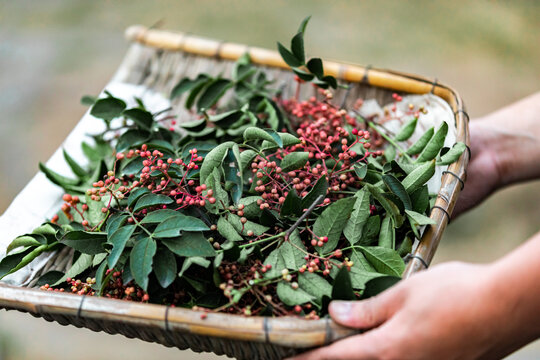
point(141, 118)
point(212, 93)
point(85, 242)
point(291, 296)
point(287, 56)
point(83, 263)
point(419, 176)
point(354, 228)
point(141, 259)
point(178, 223)
point(387, 236)
point(204, 82)
point(88, 100)
point(297, 47)
point(303, 24)
point(165, 267)
point(50, 277)
point(214, 159)
point(131, 139)
point(419, 219)
point(9, 264)
point(292, 204)
point(304, 75)
point(332, 222)
point(227, 230)
point(195, 125)
point(320, 188)
point(190, 244)
point(434, 145)
point(389, 153)
point(342, 289)
point(378, 285)
point(255, 133)
point(233, 173)
point(226, 119)
point(420, 199)
point(136, 195)
point(23, 241)
point(286, 138)
point(397, 188)
point(360, 170)
point(74, 165)
point(294, 161)
point(150, 200)
point(315, 65)
point(453, 154)
point(330, 80)
point(108, 108)
point(314, 285)
point(257, 229)
point(251, 209)
point(56, 178)
point(193, 261)
point(385, 261)
point(213, 182)
point(159, 216)
point(421, 143)
point(118, 239)
point(275, 258)
point(406, 131)
point(186, 85)
point(388, 205)
point(293, 251)
point(246, 157)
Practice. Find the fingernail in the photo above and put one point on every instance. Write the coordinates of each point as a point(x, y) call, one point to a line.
point(340, 310)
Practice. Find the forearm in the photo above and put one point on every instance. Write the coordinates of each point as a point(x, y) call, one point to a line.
point(518, 275)
point(513, 140)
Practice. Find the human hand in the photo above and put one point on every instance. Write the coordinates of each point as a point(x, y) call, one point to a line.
point(452, 311)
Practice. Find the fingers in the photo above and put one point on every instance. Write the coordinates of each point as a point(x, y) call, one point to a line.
point(366, 314)
point(359, 347)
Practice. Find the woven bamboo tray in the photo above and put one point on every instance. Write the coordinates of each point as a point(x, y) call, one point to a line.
point(157, 60)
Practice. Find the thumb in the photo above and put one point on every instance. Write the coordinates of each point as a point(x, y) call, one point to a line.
point(365, 314)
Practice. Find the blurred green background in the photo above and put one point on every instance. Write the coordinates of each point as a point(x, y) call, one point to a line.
point(52, 52)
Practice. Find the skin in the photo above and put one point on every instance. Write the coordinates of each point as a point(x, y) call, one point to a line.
point(459, 310)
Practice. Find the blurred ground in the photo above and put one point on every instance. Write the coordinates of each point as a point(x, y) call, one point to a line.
point(53, 52)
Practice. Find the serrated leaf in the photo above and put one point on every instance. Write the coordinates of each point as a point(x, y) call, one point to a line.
point(159, 216)
point(136, 195)
point(397, 188)
point(141, 260)
point(190, 244)
point(85, 242)
point(354, 228)
point(360, 170)
point(419, 176)
point(249, 225)
point(246, 157)
point(293, 251)
point(385, 261)
point(314, 285)
point(421, 143)
point(332, 221)
point(291, 296)
point(406, 131)
point(118, 239)
point(150, 200)
point(453, 154)
point(214, 159)
point(292, 204)
point(434, 145)
point(294, 161)
point(227, 230)
point(165, 267)
point(286, 138)
point(419, 219)
point(233, 173)
point(173, 226)
point(420, 199)
point(387, 235)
